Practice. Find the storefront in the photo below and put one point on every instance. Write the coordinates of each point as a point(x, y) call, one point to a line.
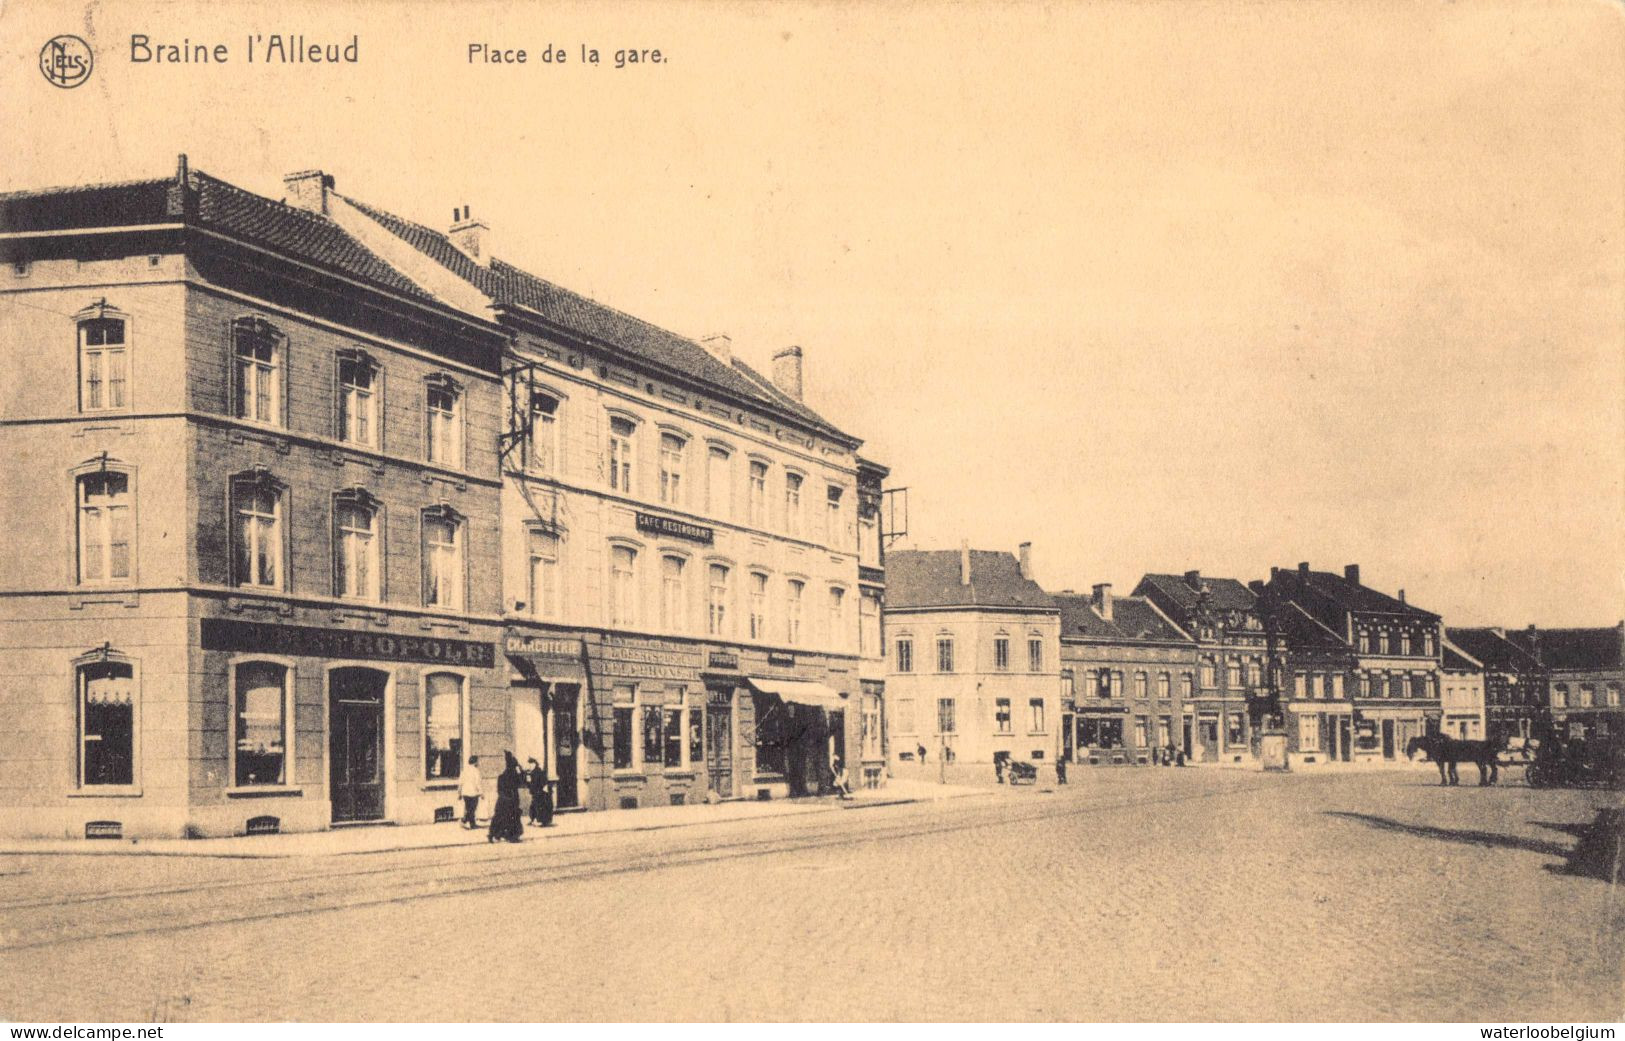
point(1100, 735)
point(547, 682)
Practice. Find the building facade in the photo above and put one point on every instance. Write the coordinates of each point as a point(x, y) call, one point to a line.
point(1461, 694)
point(1132, 676)
point(973, 669)
point(1514, 683)
point(871, 752)
point(1585, 674)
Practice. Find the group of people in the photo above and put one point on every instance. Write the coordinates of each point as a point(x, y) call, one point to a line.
point(506, 825)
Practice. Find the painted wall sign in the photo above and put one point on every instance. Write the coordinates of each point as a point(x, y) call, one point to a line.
point(779, 660)
point(543, 647)
point(654, 524)
point(722, 660)
point(228, 634)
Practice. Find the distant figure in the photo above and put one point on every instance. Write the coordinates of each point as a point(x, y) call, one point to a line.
point(506, 825)
point(843, 787)
point(541, 795)
point(921, 753)
point(470, 788)
point(998, 768)
point(1060, 769)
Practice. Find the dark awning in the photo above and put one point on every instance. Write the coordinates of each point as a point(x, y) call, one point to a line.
point(801, 692)
point(534, 670)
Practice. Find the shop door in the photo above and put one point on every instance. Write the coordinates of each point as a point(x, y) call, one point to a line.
point(719, 758)
point(356, 744)
point(566, 746)
point(1066, 737)
point(1387, 739)
point(1210, 739)
point(1345, 737)
point(1185, 738)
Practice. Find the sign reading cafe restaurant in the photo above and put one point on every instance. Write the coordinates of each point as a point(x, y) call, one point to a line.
point(654, 524)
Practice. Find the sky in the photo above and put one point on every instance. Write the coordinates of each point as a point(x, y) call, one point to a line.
point(1153, 286)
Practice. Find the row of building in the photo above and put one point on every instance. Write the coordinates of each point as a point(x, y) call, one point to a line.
point(307, 503)
point(985, 664)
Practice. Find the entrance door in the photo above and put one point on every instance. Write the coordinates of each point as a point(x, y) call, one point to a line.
point(1387, 739)
point(356, 744)
point(1345, 737)
point(566, 751)
point(1185, 740)
point(1210, 739)
point(719, 745)
point(1066, 737)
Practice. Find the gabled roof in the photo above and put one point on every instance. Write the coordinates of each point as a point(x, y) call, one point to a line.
point(1303, 632)
point(1492, 649)
point(930, 578)
point(1576, 648)
point(1134, 620)
point(1352, 596)
point(1225, 594)
point(509, 286)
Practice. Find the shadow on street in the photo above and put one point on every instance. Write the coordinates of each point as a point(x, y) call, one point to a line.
point(1596, 854)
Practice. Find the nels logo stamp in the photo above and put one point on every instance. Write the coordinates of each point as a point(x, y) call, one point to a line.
point(66, 61)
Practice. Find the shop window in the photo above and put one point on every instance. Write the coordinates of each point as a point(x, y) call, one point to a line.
point(105, 526)
point(1001, 715)
point(654, 734)
point(696, 736)
point(103, 361)
point(1308, 733)
point(256, 388)
point(1237, 729)
point(673, 453)
point(261, 723)
point(871, 727)
point(623, 737)
point(443, 400)
point(258, 545)
point(543, 551)
point(770, 734)
point(674, 739)
point(1100, 733)
point(443, 729)
point(358, 405)
point(106, 723)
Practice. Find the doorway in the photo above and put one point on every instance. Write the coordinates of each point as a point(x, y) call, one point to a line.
point(356, 743)
point(1387, 739)
point(719, 765)
point(566, 745)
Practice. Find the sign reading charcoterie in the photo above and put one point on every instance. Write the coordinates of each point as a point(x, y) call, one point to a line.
point(229, 634)
point(654, 524)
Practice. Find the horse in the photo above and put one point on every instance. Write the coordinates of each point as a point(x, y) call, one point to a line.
point(1448, 751)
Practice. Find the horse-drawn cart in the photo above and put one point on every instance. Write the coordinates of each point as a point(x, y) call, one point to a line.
point(1578, 764)
point(1021, 772)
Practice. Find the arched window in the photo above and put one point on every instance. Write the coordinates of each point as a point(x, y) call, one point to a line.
point(256, 372)
point(106, 696)
point(103, 359)
point(1163, 687)
point(542, 447)
point(105, 524)
point(543, 552)
point(443, 408)
point(258, 548)
point(673, 456)
point(621, 453)
point(443, 726)
point(260, 737)
point(357, 555)
point(358, 405)
point(443, 575)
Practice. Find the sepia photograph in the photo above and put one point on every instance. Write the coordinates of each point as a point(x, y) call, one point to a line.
point(725, 512)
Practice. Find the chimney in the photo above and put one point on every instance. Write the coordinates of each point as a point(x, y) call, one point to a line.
point(1351, 572)
point(1402, 596)
point(787, 371)
point(1103, 600)
point(1193, 579)
point(1497, 630)
point(1534, 641)
point(964, 562)
point(1024, 552)
point(1303, 571)
point(471, 235)
point(720, 347)
point(307, 190)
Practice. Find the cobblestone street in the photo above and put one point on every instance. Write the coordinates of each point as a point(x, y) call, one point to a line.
point(1133, 894)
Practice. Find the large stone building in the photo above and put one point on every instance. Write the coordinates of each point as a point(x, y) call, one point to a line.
point(974, 670)
point(1586, 671)
point(341, 498)
point(1132, 674)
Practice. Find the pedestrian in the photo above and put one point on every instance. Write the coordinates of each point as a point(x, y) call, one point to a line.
point(506, 825)
point(921, 753)
point(843, 787)
point(1060, 770)
point(998, 767)
point(541, 795)
point(470, 788)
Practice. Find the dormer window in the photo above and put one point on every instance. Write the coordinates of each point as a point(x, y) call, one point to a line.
point(103, 360)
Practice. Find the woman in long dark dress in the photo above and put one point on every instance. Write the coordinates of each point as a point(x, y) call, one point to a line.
point(541, 795)
point(506, 824)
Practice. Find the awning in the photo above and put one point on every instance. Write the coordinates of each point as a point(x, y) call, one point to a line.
point(534, 670)
point(802, 692)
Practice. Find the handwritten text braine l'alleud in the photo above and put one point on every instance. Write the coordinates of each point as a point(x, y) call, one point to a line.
point(551, 54)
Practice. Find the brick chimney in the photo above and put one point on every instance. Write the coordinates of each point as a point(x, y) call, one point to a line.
point(1194, 579)
point(964, 562)
point(471, 235)
point(307, 190)
point(1024, 553)
point(1534, 641)
point(720, 346)
point(1103, 600)
point(1303, 571)
point(1402, 596)
point(1351, 572)
point(787, 371)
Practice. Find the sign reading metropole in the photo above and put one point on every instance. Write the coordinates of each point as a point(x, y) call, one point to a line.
point(229, 634)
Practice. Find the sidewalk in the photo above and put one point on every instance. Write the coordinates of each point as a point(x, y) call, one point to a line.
point(387, 839)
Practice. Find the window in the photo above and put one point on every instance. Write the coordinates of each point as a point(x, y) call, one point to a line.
point(1405, 643)
point(1255, 672)
point(443, 401)
point(257, 543)
point(672, 451)
point(1067, 691)
point(256, 371)
point(696, 735)
point(674, 735)
point(104, 526)
point(1427, 643)
point(1613, 695)
point(106, 723)
point(623, 588)
point(1035, 715)
point(621, 743)
point(1419, 686)
point(1164, 686)
point(1382, 643)
point(771, 735)
point(1165, 731)
point(1560, 696)
point(832, 518)
point(792, 610)
point(443, 726)
point(358, 378)
point(1232, 673)
point(442, 559)
point(1117, 683)
point(1302, 684)
point(719, 593)
point(904, 715)
point(945, 654)
point(619, 460)
point(1035, 655)
point(945, 715)
point(1001, 715)
point(872, 746)
point(1142, 731)
point(673, 593)
point(869, 623)
point(758, 606)
point(654, 735)
point(758, 493)
point(1186, 685)
point(837, 617)
point(542, 447)
point(261, 723)
point(792, 504)
point(1327, 685)
point(356, 544)
point(1209, 675)
point(1309, 733)
point(905, 653)
point(1141, 692)
point(1100, 733)
point(1237, 726)
point(543, 591)
point(1001, 653)
point(719, 482)
point(1588, 695)
point(103, 363)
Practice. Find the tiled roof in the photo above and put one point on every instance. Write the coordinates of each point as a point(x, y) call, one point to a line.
point(930, 578)
point(1303, 632)
point(1225, 594)
point(87, 206)
point(1576, 648)
point(513, 287)
point(1353, 596)
point(1493, 650)
point(1133, 619)
point(1454, 662)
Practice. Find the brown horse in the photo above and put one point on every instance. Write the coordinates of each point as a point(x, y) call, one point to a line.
point(1448, 751)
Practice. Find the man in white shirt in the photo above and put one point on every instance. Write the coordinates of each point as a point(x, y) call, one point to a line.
point(470, 788)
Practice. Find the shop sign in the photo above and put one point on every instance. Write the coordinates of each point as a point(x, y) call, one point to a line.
point(781, 660)
point(654, 524)
point(722, 660)
point(543, 647)
point(719, 698)
point(228, 634)
point(645, 659)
